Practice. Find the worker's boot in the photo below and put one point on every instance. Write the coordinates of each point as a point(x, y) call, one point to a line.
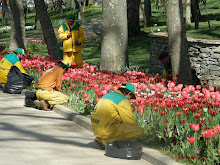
point(99, 143)
point(45, 105)
point(38, 104)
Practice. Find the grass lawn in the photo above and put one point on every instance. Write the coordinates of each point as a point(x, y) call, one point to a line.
point(138, 46)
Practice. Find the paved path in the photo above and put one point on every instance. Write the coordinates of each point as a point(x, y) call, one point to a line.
point(91, 28)
point(33, 137)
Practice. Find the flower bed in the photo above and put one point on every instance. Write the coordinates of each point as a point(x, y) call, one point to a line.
point(185, 119)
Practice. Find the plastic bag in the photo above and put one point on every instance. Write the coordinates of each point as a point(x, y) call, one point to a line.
point(14, 83)
point(27, 80)
point(123, 150)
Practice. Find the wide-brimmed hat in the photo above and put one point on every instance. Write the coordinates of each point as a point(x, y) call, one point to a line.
point(20, 51)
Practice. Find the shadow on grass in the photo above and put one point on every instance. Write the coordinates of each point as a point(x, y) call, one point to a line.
point(139, 50)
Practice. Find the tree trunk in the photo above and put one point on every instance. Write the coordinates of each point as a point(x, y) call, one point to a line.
point(195, 13)
point(60, 6)
point(73, 5)
point(5, 12)
point(204, 3)
point(37, 22)
point(177, 41)
point(115, 35)
point(144, 15)
point(147, 9)
point(133, 17)
point(18, 38)
point(51, 5)
point(48, 31)
point(188, 12)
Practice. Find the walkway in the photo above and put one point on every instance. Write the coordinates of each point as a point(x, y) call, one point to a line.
point(91, 28)
point(33, 137)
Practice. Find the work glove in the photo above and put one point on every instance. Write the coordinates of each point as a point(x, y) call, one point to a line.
point(77, 42)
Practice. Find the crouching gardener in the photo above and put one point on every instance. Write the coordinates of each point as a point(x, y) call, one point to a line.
point(48, 89)
point(8, 61)
point(112, 118)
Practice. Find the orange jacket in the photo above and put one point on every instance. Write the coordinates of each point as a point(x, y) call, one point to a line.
point(51, 79)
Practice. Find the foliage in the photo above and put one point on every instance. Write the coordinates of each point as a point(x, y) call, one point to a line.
point(181, 120)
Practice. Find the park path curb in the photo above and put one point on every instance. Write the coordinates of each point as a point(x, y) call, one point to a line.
point(151, 155)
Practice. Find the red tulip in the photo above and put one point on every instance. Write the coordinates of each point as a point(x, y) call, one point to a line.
point(165, 121)
point(212, 113)
point(183, 120)
point(197, 115)
point(162, 113)
point(179, 114)
point(191, 140)
point(86, 100)
point(74, 86)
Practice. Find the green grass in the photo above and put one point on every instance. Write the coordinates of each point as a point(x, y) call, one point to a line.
point(213, 8)
point(138, 50)
point(138, 46)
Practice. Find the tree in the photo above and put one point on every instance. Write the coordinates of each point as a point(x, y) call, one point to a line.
point(17, 39)
point(5, 12)
point(177, 41)
point(133, 17)
point(60, 6)
point(73, 5)
point(51, 5)
point(195, 12)
point(188, 12)
point(147, 9)
point(37, 22)
point(48, 31)
point(115, 35)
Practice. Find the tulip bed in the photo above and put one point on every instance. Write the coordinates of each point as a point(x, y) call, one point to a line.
point(184, 119)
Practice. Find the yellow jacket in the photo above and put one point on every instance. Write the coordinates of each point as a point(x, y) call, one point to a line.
point(112, 110)
point(6, 63)
point(77, 34)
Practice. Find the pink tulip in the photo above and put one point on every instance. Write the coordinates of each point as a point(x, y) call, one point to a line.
point(191, 140)
point(84, 95)
point(217, 129)
point(104, 92)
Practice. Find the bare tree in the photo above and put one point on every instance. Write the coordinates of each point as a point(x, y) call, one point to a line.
point(48, 31)
point(5, 12)
point(133, 17)
point(18, 38)
point(115, 35)
point(73, 5)
point(188, 12)
point(177, 41)
point(147, 9)
point(37, 22)
point(195, 12)
point(50, 5)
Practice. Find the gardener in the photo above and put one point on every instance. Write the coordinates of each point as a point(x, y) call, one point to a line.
point(8, 61)
point(166, 61)
point(73, 36)
point(112, 118)
point(48, 89)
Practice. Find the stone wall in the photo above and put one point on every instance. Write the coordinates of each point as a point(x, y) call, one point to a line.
point(204, 57)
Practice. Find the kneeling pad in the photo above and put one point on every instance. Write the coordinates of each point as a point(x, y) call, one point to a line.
point(123, 150)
